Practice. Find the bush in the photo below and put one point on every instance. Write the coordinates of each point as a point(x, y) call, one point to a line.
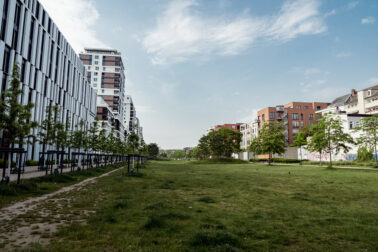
point(31, 163)
point(6, 165)
point(364, 154)
point(277, 160)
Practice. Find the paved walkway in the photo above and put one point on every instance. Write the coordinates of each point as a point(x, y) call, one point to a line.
point(336, 167)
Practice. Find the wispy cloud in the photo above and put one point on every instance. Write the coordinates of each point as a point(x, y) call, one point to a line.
point(343, 54)
point(249, 115)
point(76, 19)
point(368, 20)
point(373, 81)
point(352, 5)
point(183, 32)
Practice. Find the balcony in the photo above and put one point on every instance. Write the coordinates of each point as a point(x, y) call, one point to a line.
point(280, 109)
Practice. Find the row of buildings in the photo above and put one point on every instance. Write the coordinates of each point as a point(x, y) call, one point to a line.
point(84, 86)
point(350, 108)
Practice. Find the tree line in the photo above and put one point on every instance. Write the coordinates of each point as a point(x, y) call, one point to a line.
point(16, 125)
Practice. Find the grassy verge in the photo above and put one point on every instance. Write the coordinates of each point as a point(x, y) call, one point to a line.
point(42, 185)
point(370, 164)
point(186, 206)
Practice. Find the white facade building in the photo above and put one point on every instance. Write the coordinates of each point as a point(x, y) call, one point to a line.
point(51, 71)
point(249, 131)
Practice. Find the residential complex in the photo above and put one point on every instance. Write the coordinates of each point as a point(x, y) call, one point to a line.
point(294, 115)
point(249, 131)
point(105, 73)
point(51, 72)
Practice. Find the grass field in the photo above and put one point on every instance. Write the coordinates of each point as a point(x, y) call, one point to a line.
point(184, 206)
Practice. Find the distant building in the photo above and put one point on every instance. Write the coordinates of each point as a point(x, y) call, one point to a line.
point(232, 126)
point(294, 115)
point(249, 131)
point(129, 117)
point(356, 102)
point(105, 73)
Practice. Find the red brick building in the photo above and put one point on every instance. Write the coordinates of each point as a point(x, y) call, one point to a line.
point(294, 115)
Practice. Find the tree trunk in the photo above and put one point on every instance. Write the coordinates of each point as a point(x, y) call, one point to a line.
point(300, 150)
point(320, 163)
point(376, 155)
point(330, 154)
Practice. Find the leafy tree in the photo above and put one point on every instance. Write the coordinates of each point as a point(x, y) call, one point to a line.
point(133, 142)
point(78, 140)
point(93, 136)
point(143, 149)
point(369, 134)
point(272, 140)
point(255, 146)
point(203, 148)
point(223, 142)
point(301, 140)
point(14, 116)
point(153, 150)
point(317, 142)
point(178, 154)
point(330, 136)
point(102, 139)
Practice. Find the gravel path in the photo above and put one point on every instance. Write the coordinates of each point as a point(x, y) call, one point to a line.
point(34, 220)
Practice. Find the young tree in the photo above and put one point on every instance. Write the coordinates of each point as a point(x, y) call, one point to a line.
point(78, 138)
point(272, 139)
point(223, 142)
point(255, 146)
point(46, 132)
point(178, 154)
point(14, 116)
point(203, 149)
point(369, 134)
point(301, 140)
point(133, 142)
point(153, 150)
point(330, 135)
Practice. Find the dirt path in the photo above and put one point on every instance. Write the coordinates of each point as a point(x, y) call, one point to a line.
point(34, 220)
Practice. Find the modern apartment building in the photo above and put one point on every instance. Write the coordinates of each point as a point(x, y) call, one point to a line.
point(105, 73)
point(129, 115)
point(356, 102)
point(249, 131)
point(294, 116)
point(51, 71)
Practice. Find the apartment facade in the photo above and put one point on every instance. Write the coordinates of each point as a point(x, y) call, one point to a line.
point(51, 71)
point(363, 102)
point(129, 116)
point(105, 73)
point(249, 131)
point(294, 116)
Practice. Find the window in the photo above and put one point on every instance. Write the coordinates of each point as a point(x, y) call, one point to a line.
point(16, 25)
point(94, 85)
point(94, 79)
point(89, 67)
point(295, 132)
point(311, 123)
point(298, 107)
point(104, 69)
point(295, 116)
point(350, 125)
point(318, 108)
point(97, 68)
point(96, 62)
point(311, 116)
point(272, 115)
point(102, 91)
point(95, 73)
point(302, 117)
point(96, 56)
point(6, 59)
point(305, 107)
point(302, 124)
point(263, 117)
point(4, 19)
point(295, 124)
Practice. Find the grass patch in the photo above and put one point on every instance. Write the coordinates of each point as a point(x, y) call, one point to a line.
point(43, 185)
point(228, 207)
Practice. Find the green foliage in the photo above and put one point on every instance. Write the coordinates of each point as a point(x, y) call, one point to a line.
point(14, 116)
point(277, 160)
point(133, 142)
point(31, 163)
point(178, 154)
point(271, 140)
point(364, 154)
point(369, 134)
point(221, 143)
point(328, 136)
point(153, 150)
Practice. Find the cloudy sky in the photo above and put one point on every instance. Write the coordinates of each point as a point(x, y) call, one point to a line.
point(191, 64)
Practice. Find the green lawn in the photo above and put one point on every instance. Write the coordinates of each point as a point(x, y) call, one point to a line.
point(183, 206)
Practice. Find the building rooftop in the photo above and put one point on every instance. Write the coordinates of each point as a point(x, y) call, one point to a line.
point(102, 51)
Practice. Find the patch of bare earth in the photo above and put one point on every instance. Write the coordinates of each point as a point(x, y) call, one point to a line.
point(35, 220)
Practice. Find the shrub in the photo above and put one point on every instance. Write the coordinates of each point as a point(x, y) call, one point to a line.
point(6, 165)
point(364, 154)
point(31, 163)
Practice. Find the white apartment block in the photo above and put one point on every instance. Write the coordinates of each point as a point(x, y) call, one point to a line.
point(106, 75)
point(51, 71)
point(129, 116)
point(249, 131)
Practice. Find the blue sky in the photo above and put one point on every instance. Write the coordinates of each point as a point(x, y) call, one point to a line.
point(193, 64)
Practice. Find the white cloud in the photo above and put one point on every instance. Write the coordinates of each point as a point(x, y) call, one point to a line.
point(368, 20)
point(182, 32)
point(373, 81)
point(76, 20)
point(251, 116)
point(352, 5)
point(343, 55)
